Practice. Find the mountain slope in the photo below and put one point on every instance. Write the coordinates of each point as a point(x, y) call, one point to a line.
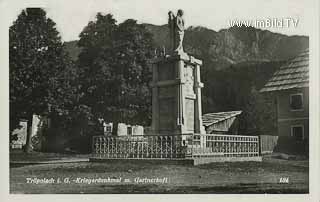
point(234, 45)
point(220, 49)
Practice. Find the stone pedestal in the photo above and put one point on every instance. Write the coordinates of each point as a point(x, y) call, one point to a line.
point(176, 95)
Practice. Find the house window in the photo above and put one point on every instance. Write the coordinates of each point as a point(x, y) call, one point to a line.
point(296, 102)
point(297, 132)
point(129, 130)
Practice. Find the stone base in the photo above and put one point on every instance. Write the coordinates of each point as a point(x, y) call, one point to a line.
point(157, 161)
point(206, 160)
point(183, 161)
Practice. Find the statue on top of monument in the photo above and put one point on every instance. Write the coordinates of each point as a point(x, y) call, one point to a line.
point(176, 30)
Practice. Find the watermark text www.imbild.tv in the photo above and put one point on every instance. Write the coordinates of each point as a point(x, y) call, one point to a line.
point(287, 22)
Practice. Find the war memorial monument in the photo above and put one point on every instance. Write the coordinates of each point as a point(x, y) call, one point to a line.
point(176, 87)
point(177, 128)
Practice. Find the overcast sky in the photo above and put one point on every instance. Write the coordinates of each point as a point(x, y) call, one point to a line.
point(72, 15)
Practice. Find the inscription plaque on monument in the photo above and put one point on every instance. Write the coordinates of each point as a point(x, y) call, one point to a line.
point(190, 114)
point(166, 114)
point(189, 77)
point(166, 72)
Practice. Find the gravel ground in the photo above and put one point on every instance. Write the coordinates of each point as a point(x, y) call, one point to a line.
point(128, 177)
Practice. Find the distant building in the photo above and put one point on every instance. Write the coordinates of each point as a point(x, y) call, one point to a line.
point(38, 123)
point(221, 122)
point(21, 135)
point(290, 86)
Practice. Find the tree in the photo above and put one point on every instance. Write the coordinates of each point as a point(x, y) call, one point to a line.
point(129, 75)
point(237, 88)
point(96, 36)
point(39, 80)
point(115, 62)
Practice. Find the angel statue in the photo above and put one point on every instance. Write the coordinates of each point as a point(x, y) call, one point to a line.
point(176, 30)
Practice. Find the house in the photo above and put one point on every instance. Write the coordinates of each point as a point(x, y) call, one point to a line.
point(221, 122)
point(290, 87)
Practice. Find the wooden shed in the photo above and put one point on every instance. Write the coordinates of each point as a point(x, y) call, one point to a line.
point(221, 122)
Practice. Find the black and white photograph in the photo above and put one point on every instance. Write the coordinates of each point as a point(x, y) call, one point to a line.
point(161, 97)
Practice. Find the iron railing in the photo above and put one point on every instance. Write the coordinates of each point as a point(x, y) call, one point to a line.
point(149, 146)
point(175, 146)
point(225, 145)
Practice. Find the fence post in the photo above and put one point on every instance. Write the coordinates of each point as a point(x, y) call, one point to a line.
point(259, 145)
point(93, 142)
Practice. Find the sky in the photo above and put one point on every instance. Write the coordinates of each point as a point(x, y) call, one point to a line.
point(71, 16)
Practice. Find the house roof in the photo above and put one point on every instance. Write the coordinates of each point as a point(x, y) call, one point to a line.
point(211, 118)
point(293, 74)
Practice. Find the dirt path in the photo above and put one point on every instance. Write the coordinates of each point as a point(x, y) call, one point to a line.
point(241, 177)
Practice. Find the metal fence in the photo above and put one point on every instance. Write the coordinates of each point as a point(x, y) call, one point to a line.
point(175, 146)
point(151, 146)
point(225, 145)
